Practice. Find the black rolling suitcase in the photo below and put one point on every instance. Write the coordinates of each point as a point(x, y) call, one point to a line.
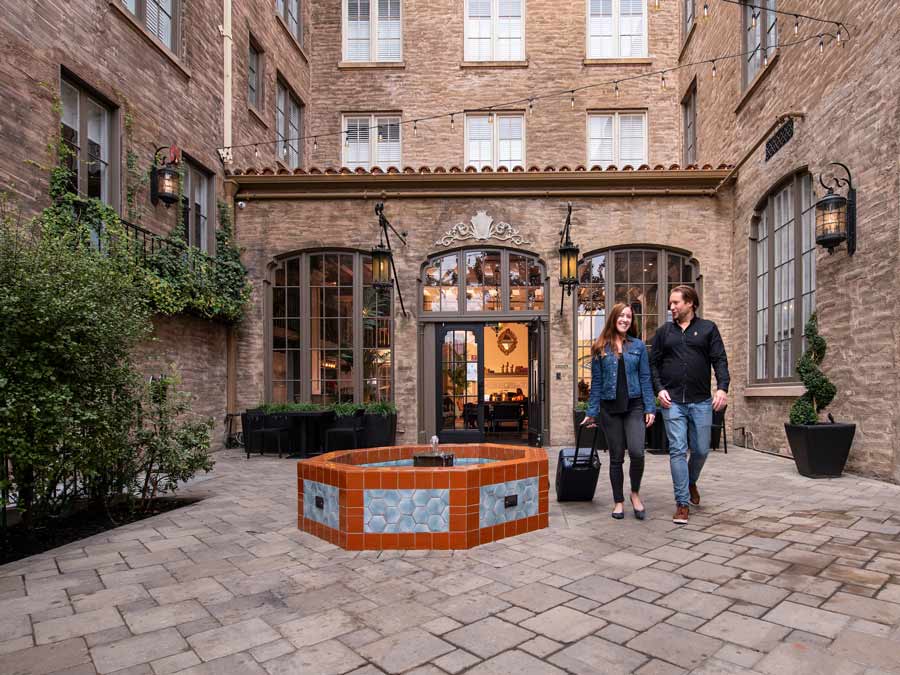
point(577, 471)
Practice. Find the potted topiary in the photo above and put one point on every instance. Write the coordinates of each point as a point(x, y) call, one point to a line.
point(379, 424)
point(820, 449)
point(587, 436)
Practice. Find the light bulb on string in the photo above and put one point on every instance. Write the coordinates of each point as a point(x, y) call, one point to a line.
point(572, 100)
point(347, 139)
point(796, 25)
point(821, 43)
point(256, 151)
point(531, 106)
point(616, 88)
point(656, 5)
point(315, 143)
point(451, 122)
point(662, 81)
point(753, 20)
point(838, 35)
point(415, 128)
point(705, 10)
point(714, 72)
point(490, 118)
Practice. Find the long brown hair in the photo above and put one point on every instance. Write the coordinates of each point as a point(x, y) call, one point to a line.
point(608, 334)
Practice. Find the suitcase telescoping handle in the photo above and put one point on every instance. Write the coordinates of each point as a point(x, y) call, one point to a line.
point(578, 443)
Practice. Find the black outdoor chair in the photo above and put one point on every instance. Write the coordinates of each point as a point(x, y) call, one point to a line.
point(507, 413)
point(277, 434)
point(252, 424)
point(470, 415)
point(718, 430)
point(347, 432)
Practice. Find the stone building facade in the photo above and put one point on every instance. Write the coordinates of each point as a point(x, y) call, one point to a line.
point(317, 111)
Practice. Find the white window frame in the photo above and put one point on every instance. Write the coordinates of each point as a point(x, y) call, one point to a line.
point(616, 33)
point(495, 31)
point(373, 34)
point(495, 138)
point(616, 159)
point(373, 120)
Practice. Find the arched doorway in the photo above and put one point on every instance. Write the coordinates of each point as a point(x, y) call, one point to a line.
point(483, 314)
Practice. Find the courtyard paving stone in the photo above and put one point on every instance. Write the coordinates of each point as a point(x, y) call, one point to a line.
point(774, 573)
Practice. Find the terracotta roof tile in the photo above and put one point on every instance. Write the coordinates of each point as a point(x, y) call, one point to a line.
point(425, 170)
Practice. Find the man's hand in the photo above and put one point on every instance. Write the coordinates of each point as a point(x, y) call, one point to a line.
point(720, 400)
point(664, 399)
point(588, 421)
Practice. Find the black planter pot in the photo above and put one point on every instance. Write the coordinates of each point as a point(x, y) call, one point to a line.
point(379, 430)
point(820, 450)
point(587, 436)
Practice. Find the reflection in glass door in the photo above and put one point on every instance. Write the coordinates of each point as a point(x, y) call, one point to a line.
point(460, 384)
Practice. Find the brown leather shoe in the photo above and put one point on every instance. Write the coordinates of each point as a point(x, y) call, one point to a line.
point(695, 494)
point(681, 515)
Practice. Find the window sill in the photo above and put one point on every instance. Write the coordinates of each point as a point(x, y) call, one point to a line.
point(258, 116)
point(774, 391)
point(365, 65)
point(494, 64)
point(293, 38)
point(149, 37)
point(757, 81)
point(687, 40)
point(639, 61)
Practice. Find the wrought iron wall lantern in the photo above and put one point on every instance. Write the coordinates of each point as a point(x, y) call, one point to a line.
point(384, 271)
point(836, 214)
point(568, 257)
point(164, 177)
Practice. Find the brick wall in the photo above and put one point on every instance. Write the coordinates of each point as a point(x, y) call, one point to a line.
point(849, 97)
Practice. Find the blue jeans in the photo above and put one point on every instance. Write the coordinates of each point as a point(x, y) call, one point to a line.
point(688, 425)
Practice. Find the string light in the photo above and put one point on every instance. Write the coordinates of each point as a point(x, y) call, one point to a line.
point(705, 10)
point(656, 5)
point(315, 143)
point(838, 36)
point(415, 128)
point(796, 24)
point(256, 151)
point(766, 58)
point(490, 118)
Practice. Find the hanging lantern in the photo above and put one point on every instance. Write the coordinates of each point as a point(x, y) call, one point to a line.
point(836, 215)
point(381, 267)
point(568, 257)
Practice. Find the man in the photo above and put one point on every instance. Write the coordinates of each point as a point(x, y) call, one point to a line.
point(680, 359)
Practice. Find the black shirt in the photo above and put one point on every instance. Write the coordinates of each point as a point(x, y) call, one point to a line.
point(680, 360)
point(619, 404)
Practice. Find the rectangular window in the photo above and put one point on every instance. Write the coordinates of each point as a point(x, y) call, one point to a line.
point(288, 125)
point(289, 11)
point(372, 30)
point(760, 30)
point(86, 127)
point(198, 191)
point(494, 30)
point(161, 18)
point(688, 18)
point(371, 140)
point(495, 140)
point(617, 29)
point(783, 257)
point(689, 117)
point(617, 138)
point(255, 75)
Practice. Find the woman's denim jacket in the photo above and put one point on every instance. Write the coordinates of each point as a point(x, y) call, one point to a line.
point(605, 369)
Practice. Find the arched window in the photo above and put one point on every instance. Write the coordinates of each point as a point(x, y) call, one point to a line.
point(782, 278)
point(327, 321)
point(492, 280)
point(640, 277)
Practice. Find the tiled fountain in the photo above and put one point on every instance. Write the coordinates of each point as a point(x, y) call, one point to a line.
point(377, 499)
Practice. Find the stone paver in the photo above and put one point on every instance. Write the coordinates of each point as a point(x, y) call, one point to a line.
point(774, 574)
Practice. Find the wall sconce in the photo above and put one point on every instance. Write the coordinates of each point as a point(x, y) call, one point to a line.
point(568, 257)
point(164, 178)
point(383, 258)
point(836, 215)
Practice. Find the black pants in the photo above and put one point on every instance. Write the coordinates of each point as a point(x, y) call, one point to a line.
point(625, 430)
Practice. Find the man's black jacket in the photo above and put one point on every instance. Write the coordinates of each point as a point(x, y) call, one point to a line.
point(680, 360)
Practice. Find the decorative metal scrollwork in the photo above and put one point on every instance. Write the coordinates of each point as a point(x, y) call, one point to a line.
point(481, 228)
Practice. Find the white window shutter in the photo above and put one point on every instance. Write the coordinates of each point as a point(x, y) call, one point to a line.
point(358, 30)
point(479, 143)
point(510, 138)
point(601, 140)
point(478, 30)
point(509, 31)
point(389, 30)
point(356, 143)
point(388, 142)
point(631, 140)
point(601, 41)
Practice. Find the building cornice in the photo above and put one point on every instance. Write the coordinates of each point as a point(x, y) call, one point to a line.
point(346, 184)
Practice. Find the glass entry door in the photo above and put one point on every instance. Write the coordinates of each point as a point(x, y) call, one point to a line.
point(535, 384)
point(460, 380)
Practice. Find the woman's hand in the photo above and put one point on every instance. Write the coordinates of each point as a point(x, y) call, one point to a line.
point(648, 419)
point(588, 421)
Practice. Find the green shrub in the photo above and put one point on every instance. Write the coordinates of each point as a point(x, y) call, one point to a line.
point(346, 409)
point(581, 406)
point(383, 408)
point(270, 408)
point(820, 391)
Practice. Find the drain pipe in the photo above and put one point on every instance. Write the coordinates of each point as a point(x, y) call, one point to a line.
point(781, 119)
point(227, 111)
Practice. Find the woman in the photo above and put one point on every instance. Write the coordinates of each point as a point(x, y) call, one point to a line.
point(622, 394)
